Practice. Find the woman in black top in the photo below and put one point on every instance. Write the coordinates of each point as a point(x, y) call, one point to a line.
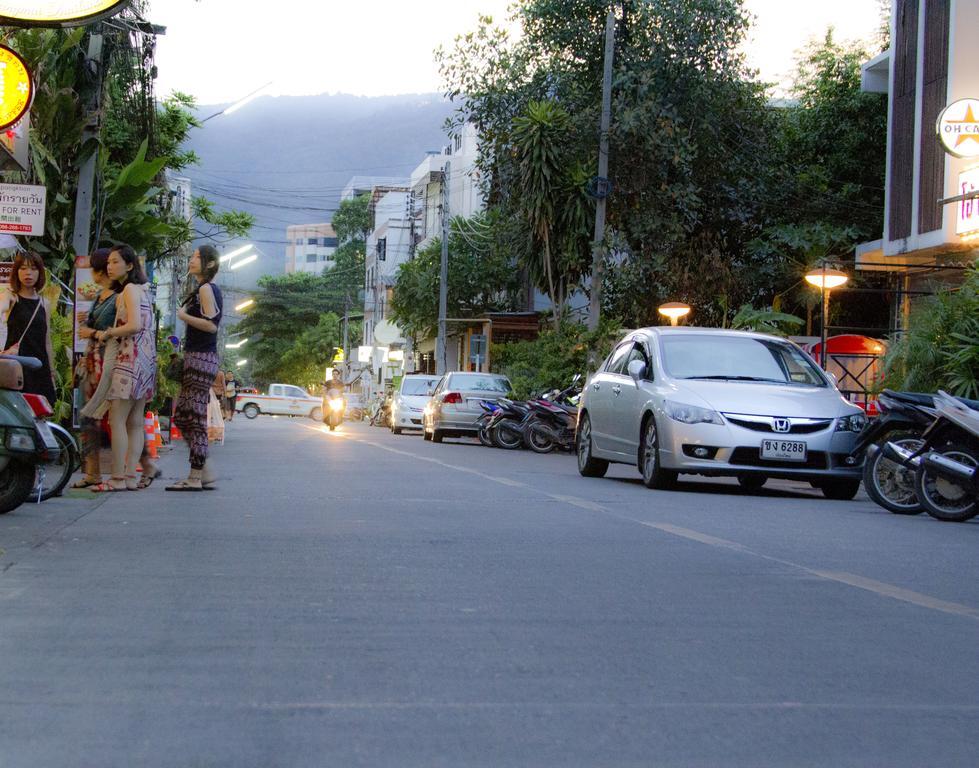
point(201, 311)
point(28, 330)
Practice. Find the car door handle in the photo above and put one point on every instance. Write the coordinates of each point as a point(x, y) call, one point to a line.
point(617, 389)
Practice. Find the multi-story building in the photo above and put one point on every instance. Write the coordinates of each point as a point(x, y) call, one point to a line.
point(389, 245)
point(928, 69)
point(310, 248)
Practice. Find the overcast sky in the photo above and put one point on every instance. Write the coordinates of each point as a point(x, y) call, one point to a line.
point(220, 50)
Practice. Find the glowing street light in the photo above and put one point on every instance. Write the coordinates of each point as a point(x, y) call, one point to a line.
point(241, 363)
point(825, 279)
point(237, 345)
point(234, 107)
point(244, 305)
point(674, 310)
point(244, 261)
point(235, 252)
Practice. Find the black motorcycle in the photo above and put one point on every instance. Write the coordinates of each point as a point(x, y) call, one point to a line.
point(904, 418)
point(553, 420)
point(506, 425)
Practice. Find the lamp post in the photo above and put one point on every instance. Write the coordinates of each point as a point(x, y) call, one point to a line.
point(825, 279)
point(674, 310)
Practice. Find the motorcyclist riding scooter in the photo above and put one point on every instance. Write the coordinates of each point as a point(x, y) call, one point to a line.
point(334, 403)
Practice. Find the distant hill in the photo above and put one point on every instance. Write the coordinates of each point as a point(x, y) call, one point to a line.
point(286, 159)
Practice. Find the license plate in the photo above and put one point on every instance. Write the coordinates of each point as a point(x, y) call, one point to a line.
point(783, 450)
point(46, 435)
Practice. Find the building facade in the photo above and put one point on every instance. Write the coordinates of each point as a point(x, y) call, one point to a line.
point(310, 248)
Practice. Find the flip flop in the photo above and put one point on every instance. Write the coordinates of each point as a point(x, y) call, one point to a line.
point(146, 481)
point(107, 488)
point(184, 486)
point(85, 483)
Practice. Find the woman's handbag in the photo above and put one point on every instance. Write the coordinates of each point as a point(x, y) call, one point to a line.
point(175, 368)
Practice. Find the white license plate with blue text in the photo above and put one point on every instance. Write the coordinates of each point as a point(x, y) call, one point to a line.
point(783, 450)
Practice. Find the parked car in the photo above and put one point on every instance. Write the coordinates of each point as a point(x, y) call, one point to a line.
point(281, 400)
point(718, 403)
point(455, 404)
point(408, 404)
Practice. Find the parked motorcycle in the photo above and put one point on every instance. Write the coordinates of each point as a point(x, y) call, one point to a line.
point(28, 444)
point(904, 418)
point(947, 464)
point(553, 420)
point(506, 425)
point(483, 422)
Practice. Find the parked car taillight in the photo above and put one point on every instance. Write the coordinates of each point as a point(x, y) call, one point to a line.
point(39, 404)
point(452, 397)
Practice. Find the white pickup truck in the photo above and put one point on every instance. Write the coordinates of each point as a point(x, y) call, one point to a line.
point(282, 400)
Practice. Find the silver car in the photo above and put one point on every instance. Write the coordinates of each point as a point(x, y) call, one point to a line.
point(455, 404)
point(408, 403)
point(718, 403)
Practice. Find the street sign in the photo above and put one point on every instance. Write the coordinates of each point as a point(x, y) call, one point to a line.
point(958, 128)
point(22, 209)
point(16, 87)
point(57, 13)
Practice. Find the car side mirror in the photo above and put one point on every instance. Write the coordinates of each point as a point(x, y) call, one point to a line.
point(832, 378)
point(637, 370)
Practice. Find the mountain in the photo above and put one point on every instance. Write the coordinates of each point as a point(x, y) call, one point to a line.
point(286, 159)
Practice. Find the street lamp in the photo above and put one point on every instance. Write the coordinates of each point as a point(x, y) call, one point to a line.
point(244, 261)
point(244, 305)
point(825, 279)
point(674, 310)
point(235, 106)
point(235, 252)
point(237, 345)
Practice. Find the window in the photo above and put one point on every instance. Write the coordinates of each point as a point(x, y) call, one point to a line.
point(479, 382)
point(310, 258)
point(331, 242)
point(738, 358)
point(382, 249)
point(458, 142)
point(313, 241)
point(619, 359)
point(294, 392)
point(637, 353)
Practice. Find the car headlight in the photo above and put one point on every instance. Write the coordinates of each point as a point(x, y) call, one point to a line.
point(854, 423)
point(692, 414)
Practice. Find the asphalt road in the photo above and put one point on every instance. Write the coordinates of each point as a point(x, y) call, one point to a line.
point(360, 599)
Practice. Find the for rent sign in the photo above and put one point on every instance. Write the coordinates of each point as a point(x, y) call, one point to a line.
point(22, 209)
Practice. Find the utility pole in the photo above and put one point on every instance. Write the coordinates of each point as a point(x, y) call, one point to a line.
point(346, 326)
point(443, 274)
point(81, 235)
point(602, 186)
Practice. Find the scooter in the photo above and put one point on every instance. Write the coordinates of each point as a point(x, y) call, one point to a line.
point(335, 407)
point(506, 425)
point(28, 442)
point(483, 422)
point(946, 466)
point(553, 420)
point(904, 418)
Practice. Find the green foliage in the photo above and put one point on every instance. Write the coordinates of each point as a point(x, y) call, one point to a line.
point(62, 343)
point(941, 349)
point(552, 360)
point(304, 364)
point(482, 278)
point(766, 321)
point(352, 219)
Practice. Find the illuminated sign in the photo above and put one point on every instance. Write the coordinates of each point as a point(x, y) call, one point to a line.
point(16, 87)
point(57, 13)
point(958, 128)
point(967, 212)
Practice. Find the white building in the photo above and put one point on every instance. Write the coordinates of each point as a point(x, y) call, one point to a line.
point(389, 245)
point(310, 248)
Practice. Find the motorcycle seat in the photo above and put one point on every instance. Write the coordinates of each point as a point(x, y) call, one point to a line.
point(914, 398)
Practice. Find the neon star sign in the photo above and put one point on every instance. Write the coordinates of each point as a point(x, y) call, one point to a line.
point(16, 87)
point(56, 13)
point(958, 128)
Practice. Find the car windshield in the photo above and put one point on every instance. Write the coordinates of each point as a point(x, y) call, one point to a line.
point(417, 386)
point(479, 382)
point(734, 358)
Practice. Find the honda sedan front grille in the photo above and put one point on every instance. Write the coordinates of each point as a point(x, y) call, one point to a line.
point(778, 425)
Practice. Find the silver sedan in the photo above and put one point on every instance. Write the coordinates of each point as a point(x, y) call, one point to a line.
point(455, 404)
point(718, 403)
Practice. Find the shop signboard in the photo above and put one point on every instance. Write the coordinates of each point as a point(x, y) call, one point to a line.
point(967, 213)
point(22, 209)
point(958, 128)
point(16, 87)
point(57, 13)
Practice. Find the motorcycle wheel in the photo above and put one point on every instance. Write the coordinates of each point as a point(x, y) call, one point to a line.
point(56, 476)
point(16, 484)
point(890, 484)
point(507, 437)
point(484, 437)
point(944, 499)
point(538, 441)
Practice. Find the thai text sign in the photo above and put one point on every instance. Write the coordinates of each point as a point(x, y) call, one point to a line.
point(16, 87)
point(22, 209)
point(967, 213)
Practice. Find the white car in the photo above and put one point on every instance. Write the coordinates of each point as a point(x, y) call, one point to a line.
point(408, 404)
point(718, 403)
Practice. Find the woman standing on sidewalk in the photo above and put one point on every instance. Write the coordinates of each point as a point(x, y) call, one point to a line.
point(24, 315)
point(131, 355)
point(202, 314)
point(101, 316)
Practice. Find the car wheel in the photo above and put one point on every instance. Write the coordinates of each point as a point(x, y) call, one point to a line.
point(839, 490)
point(396, 430)
point(316, 414)
point(588, 465)
point(436, 435)
point(653, 475)
point(752, 482)
point(251, 411)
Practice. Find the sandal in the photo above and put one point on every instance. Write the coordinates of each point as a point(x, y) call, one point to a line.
point(85, 482)
point(147, 480)
point(108, 487)
point(132, 483)
point(185, 485)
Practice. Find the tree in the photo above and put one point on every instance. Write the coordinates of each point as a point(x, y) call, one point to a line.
point(352, 219)
point(305, 362)
point(482, 279)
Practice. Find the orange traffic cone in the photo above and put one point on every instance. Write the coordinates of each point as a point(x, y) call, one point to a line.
point(157, 432)
point(174, 431)
point(150, 437)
